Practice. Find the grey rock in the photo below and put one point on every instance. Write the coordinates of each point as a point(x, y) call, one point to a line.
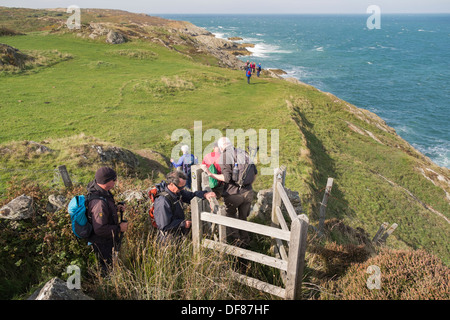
point(18, 209)
point(116, 155)
point(37, 147)
point(55, 203)
point(132, 195)
point(56, 289)
point(114, 37)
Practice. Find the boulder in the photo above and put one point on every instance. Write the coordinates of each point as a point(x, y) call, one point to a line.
point(37, 147)
point(55, 203)
point(56, 289)
point(97, 30)
point(18, 209)
point(133, 195)
point(115, 37)
point(116, 155)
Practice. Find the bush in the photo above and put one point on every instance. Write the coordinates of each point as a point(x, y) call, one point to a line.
point(405, 275)
point(36, 249)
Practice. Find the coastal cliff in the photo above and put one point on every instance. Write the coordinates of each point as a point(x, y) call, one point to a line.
point(126, 81)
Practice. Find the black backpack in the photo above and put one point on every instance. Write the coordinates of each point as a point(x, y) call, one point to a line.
point(246, 167)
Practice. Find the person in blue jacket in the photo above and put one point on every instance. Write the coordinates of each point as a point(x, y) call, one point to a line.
point(168, 207)
point(248, 74)
point(185, 162)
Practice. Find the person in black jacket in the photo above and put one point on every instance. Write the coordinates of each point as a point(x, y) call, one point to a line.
point(102, 213)
point(168, 207)
point(237, 198)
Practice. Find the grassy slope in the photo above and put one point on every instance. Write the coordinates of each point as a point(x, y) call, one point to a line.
point(125, 101)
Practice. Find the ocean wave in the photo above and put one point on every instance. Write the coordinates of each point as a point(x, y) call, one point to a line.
point(263, 50)
point(439, 154)
point(219, 35)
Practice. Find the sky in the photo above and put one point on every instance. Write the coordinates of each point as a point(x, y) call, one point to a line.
point(244, 6)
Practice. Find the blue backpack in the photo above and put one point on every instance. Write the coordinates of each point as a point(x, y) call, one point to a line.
point(187, 164)
point(77, 208)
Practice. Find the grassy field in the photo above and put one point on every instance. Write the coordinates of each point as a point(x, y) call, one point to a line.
point(135, 95)
point(136, 103)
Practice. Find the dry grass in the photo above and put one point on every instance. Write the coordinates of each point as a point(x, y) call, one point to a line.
point(149, 271)
point(31, 59)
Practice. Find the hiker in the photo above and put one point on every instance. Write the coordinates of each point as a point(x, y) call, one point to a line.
point(168, 209)
point(237, 194)
point(258, 70)
point(211, 164)
point(185, 162)
point(253, 67)
point(248, 74)
point(103, 215)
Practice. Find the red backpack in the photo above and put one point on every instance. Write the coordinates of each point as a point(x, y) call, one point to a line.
point(154, 193)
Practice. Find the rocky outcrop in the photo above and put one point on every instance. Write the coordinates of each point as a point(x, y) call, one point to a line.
point(18, 209)
point(56, 289)
point(97, 30)
point(114, 37)
point(116, 155)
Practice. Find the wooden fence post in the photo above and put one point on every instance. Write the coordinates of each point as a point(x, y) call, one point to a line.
point(196, 178)
point(65, 176)
point(323, 205)
point(380, 232)
point(389, 232)
point(222, 229)
point(197, 232)
point(296, 262)
point(279, 176)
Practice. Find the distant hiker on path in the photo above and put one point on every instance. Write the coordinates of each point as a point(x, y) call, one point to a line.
point(103, 214)
point(185, 162)
point(248, 74)
point(169, 212)
point(258, 70)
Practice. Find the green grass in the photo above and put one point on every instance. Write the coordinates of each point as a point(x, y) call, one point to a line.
point(133, 103)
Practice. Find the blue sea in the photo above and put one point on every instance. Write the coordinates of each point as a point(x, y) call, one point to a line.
point(401, 71)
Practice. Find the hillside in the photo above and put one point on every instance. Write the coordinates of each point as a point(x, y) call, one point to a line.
point(77, 90)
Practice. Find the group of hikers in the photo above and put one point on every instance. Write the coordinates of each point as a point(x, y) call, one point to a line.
point(230, 172)
point(251, 68)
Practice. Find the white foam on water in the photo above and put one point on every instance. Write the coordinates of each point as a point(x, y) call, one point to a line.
point(219, 35)
point(263, 50)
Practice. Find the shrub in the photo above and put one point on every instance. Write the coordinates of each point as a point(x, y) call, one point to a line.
point(405, 275)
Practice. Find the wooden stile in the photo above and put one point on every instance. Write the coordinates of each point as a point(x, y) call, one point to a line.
point(291, 264)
